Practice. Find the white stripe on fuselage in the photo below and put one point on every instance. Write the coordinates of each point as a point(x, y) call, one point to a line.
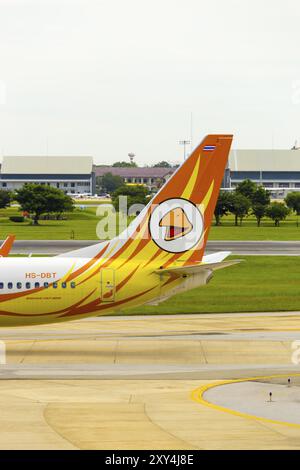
point(41, 269)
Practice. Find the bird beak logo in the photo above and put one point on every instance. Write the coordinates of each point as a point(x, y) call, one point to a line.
point(177, 224)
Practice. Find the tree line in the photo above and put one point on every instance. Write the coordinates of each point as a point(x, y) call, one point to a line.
point(38, 199)
point(249, 198)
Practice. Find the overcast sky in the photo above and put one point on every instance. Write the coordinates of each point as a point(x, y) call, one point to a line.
point(104, 78)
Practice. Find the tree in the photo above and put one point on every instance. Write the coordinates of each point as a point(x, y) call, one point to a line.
point(240, 206)
point(292, 200)
point(277, 211)
point(5, 198)
point(260, 202)
point(110, 182)
point(135, 194)
point(259, 212)
point(124, 164)
point(58, 202)
point(159, 183)
point(247, 188)
point(223, 206)
point(38, 199)
point(162, 164)
point(261, 196)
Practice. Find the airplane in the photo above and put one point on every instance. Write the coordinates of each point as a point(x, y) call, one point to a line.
point(159, 255)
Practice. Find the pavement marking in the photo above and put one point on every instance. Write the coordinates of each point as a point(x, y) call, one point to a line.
point(197, 395)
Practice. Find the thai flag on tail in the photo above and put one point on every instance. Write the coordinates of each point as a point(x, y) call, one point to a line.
point(209, 148)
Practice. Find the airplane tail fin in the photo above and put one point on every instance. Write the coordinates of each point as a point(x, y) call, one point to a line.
point(194, 189)
point(174, 226)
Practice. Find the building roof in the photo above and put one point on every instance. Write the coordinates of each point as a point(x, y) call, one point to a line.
point(134, 172)
point(264, 160)
point(46, 165)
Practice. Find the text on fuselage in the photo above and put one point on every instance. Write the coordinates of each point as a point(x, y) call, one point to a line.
point(40, 275)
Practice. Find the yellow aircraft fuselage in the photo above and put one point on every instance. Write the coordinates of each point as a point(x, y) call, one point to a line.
point(161, 253)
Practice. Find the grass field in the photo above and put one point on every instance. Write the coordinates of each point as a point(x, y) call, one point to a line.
point(82, 225)
point(91, 202)
point(288, 230)
point(258, 284)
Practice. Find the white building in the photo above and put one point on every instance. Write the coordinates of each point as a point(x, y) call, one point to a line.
point(73, 175)
point(277, 170)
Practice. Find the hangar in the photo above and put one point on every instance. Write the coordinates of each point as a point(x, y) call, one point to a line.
point(73, 175)
point(277, 170)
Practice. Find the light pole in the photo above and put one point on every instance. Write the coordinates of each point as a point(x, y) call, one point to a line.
point(184, 143)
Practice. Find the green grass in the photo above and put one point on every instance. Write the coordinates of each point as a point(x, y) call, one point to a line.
point(288, 230)
point(88, 202)
point(81, 223)
point(34, 255)
point(259, 284)
point(84, 223)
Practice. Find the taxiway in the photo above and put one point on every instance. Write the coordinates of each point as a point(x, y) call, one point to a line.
point(168, 382)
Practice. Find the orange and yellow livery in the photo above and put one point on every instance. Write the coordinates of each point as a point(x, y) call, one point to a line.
point(160, 254)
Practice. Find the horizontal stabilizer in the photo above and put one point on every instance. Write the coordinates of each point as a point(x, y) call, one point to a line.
point(197, 268)
point(216, 257)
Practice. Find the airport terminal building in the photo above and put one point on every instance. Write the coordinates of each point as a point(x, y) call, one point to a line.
point(276, 170)
point(73, 175)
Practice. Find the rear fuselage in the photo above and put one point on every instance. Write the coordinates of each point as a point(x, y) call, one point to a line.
point(47, 290)
point(44, 290)
point(139, 266)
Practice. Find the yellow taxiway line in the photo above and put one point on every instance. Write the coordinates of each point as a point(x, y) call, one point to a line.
point(197, 395)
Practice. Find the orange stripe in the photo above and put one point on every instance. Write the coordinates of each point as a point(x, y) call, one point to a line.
point(87, 265)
